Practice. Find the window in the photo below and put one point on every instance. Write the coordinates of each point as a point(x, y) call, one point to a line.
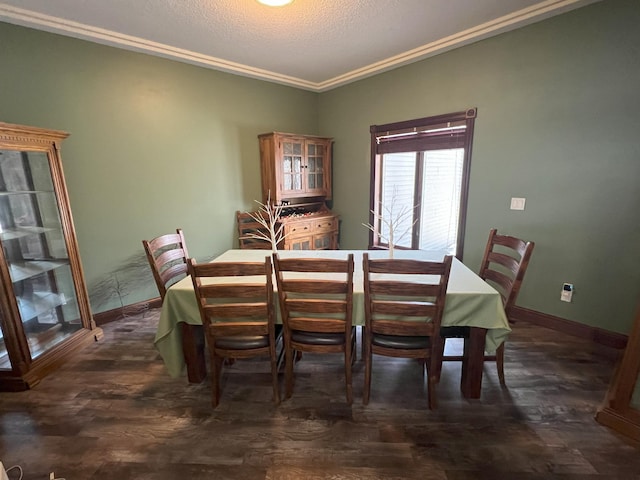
point(420, 182)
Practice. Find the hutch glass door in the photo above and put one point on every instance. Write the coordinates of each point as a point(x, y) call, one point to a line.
point(35, 253)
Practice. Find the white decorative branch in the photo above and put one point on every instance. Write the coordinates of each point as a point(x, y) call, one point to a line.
point(387, 215)
point(268, 215)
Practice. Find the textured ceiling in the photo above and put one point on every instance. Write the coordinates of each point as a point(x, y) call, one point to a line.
point(312, 44)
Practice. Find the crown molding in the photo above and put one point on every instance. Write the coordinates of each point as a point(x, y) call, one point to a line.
point(503, 24)
point(515, 20)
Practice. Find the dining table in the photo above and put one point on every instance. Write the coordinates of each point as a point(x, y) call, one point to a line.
point(470, 302)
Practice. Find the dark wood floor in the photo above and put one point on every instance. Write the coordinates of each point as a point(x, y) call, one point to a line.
point(113, 413)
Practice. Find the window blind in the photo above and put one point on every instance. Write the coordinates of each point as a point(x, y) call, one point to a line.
point(430, 133)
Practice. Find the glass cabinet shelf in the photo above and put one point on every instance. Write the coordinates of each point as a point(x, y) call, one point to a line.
point(23, 270)
point(19, 232)
point(39, 303)
point(23, 192)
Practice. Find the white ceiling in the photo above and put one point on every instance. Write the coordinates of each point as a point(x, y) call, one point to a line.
point(316, 45)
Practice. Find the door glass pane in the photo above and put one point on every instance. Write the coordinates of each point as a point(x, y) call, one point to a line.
point(440, 204)
point(322, 243)
point(287, 168)
point(398, 185)
point(297, 177)
point(33, 244)
point(314, 167)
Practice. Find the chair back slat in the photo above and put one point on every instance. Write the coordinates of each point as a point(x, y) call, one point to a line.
point(231, 269)
point(501, 282)
point(311, 265)
point(425, 310)
point(235, 310)
point(169, 256)
point(316, 305)
point(382, 287)
point(403, 328)
point(168, 239)
point(231, 290)
point(316, 325)
point(316, 286)
point(511, 265)
point(172, 273)
point(406, 267)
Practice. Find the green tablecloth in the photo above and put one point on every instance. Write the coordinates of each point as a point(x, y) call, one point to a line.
point(470, 301)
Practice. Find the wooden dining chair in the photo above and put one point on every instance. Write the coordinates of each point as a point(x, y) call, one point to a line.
point(503, 266)
point(404, 300)
point(316, 303)
point(237, 307)
point(248, 225)
point(167, 256)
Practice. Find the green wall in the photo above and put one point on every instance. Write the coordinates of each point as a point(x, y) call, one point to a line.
point(557, 123)
point(154, 145)
point(157, 144)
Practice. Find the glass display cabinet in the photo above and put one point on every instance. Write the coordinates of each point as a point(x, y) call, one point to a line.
point(295, 166)
point(44, 308)
point(621, 408)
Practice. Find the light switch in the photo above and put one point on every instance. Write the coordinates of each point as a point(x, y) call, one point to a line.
point(517, 203)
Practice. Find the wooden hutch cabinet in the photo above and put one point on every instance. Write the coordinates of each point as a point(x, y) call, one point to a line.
point(44, 307)
point(295, 166)
point(296, 172)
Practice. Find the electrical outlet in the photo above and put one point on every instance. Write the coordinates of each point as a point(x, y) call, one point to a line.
point(517, 203)
point(567, 292)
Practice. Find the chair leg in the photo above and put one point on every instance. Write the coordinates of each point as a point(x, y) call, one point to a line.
point(216, 372)
point(274, 374)
point(354, 348)
point(500, 364)
point(348, 355)
point(431, 390)
point(367, 355)
point(288, 374)
point(437, 358)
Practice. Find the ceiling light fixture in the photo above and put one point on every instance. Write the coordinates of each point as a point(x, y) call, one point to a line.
point(275, 3)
